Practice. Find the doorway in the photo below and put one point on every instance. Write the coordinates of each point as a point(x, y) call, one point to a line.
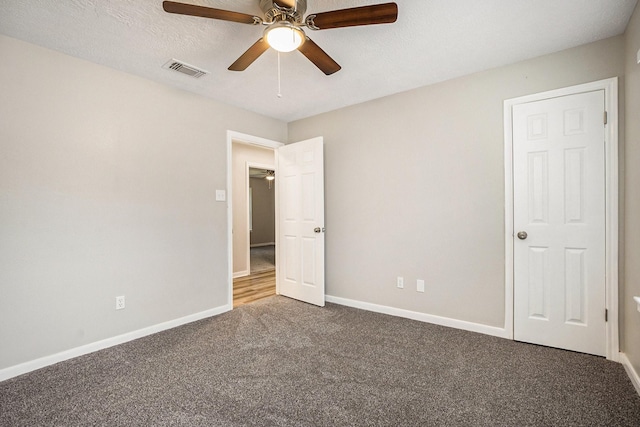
point(561, 200)
point(249, 160)
point(262, 219)
point(260, 282)
point(300, 228)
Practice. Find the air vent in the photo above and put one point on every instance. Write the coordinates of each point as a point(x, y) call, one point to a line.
point(184, 68)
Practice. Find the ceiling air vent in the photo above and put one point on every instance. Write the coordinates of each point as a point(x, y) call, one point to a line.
point(184, 68)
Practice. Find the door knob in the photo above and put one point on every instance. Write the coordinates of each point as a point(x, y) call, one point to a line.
point(318, 230)
point(522, 235)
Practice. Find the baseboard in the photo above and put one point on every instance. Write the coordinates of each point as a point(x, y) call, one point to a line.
point(240, 274)
point(259, 245)
point(422, 317)
point(633, 374)
point(23, 368)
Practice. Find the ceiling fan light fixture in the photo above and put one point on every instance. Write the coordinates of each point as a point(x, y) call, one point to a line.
point(284, 36)
point(284, 20)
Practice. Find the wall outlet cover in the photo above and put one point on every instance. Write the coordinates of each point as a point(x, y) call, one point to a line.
point(120, 302)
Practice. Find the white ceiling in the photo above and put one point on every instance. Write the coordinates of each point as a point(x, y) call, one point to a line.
point(432, 41)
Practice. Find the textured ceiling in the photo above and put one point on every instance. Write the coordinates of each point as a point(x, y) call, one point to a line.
point(432, 41)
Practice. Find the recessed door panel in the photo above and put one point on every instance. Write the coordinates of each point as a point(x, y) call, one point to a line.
point(289, 260)
point(309, 261)
point(539, 284)
point(536, 127)
point(574, 121)
point(308, 197)
point(575, 286)
point(574, 185)
point(538, 171)
point(290, 191)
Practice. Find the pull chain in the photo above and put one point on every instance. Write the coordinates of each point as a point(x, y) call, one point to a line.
point(279, 85)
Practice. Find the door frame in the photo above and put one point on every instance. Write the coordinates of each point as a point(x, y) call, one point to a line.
point(610, 87)
point(243, 138)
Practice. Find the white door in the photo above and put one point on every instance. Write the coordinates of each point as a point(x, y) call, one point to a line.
point(300, 246)
point(559, 202)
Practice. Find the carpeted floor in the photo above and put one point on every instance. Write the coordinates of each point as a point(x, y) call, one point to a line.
point(279, 362)
point(262, 258)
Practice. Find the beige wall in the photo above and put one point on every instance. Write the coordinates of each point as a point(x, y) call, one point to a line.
point(107, 187)
point(264, 209)
point(241, 154)
point(414, 186)
point(631, 277)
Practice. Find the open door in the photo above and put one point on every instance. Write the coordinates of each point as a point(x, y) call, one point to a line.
point(300, 201)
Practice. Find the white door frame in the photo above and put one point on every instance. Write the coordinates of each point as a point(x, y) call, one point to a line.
point(233, 136)
point(610, 87)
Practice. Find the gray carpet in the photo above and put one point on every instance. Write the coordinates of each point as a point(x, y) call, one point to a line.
point(262, 258)
point(279, 362)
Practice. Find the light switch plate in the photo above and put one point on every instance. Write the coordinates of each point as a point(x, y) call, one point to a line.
point(221, 195)
point(638, 56)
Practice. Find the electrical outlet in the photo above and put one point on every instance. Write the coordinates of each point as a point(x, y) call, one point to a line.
point(420, 285)
point(120, 302)
point(400, 282)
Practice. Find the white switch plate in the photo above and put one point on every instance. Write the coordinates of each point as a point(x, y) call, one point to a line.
point(638, 56)
point(420, 285)
point(400, 282)
point(221, 195)
point(637, 300)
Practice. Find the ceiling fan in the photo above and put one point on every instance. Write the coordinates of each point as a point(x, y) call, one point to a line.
point(284, 22)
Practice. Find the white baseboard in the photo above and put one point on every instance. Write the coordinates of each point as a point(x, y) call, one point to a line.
point(32, 365)
point(242, 273)
point(422, 317)
point(258, 245)
point(633, 374)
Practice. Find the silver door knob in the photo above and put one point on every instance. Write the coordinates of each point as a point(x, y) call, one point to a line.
point(318, 230)
point(522, 235)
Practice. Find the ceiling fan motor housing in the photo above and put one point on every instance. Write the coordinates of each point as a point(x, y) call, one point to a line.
point(273, 12)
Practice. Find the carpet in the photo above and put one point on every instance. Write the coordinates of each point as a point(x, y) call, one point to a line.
point(262, 258)
point(280, 362)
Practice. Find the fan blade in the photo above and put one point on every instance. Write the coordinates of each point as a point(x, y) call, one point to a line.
point(366, 15)
point(207, 12)
point(253, 53)
point(319, 57)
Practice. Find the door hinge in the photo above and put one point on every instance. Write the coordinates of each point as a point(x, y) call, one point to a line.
point(606, 118)
point(606, 315)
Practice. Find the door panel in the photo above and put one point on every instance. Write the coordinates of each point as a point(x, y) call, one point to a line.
point(539, 284)
point(559, 201)
point(300, 188)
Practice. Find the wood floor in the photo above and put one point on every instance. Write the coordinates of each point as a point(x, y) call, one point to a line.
point(254, 287)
